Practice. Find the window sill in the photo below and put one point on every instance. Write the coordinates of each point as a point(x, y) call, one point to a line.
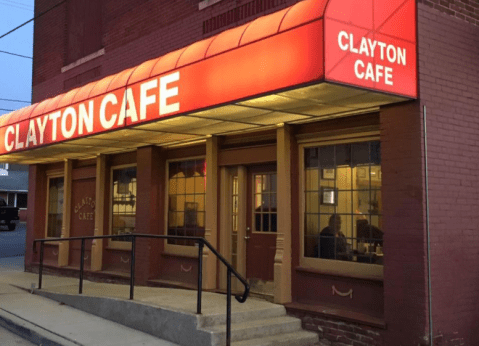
point(206, 3)
point(374, 273)
point(83, 60)
point(54, 243)
point(181, 251)
point(114, 248)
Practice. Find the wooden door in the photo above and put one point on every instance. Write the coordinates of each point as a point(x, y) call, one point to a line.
point(261, 222)
point(82, 219)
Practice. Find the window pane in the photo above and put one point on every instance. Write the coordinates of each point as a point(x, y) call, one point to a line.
point(343, 155)
point(326, 157)
point(312, 179)
point(375, 152)
point(360, 153)
point(312, 202)
point(257, 222)
point(311, 157)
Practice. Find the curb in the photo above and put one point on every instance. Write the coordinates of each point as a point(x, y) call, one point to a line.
point(31, 332)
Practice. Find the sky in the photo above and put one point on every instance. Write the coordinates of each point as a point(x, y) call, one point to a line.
point(15, 72)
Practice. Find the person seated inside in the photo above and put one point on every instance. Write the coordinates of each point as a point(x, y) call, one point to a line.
point(332, 242)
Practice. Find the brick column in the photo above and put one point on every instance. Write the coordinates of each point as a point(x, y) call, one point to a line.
point(148, 211)
point(405, 261)
point(36, 209)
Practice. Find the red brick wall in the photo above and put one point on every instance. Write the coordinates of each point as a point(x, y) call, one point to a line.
point(134, 31)
point(467, 10)
point(332, 332)
point(449, 88)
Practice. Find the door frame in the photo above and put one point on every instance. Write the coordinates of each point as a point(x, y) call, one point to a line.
point(226, 221)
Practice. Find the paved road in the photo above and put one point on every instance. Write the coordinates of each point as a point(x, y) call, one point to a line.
point(12, 264)
point(13, 243)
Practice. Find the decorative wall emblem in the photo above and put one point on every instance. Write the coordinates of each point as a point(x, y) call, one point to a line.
point(343, 294)
point(82, 214)
point(186, 270)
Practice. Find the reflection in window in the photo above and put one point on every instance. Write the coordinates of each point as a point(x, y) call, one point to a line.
point(123, 202)
point(186, 200)
point(265, 202)
point(55, 207)
point(343, 212)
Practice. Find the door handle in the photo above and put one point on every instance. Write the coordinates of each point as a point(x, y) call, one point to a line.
point(247, 230)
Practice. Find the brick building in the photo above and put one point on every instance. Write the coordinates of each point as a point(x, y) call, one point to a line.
point(288, 133)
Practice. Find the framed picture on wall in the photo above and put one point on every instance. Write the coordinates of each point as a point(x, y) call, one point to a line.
point(329, 196)
point(328, 173)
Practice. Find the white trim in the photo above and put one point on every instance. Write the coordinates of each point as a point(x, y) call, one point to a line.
point(206, 3)
point(83, 60)
point(327, 266)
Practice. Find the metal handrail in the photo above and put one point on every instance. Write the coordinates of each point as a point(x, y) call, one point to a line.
point(201, 243)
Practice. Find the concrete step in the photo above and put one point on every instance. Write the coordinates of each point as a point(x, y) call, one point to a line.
point(242, 316)
point(300, 338)
point(253, 329)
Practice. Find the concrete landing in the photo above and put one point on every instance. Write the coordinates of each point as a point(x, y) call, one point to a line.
point(170, 314)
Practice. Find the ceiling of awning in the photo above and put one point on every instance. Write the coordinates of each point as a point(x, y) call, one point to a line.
point(303, 105)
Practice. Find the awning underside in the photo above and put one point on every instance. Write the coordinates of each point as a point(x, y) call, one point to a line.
point(303, 105)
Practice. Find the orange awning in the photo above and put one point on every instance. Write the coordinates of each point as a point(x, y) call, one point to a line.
point(276, 52)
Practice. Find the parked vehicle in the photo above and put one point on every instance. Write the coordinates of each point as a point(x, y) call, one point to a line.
point(8, 215)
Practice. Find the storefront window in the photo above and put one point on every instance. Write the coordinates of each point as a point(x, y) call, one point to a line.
point(123, 202)
point(343, 211)
point(55, 207)
point(186, 200)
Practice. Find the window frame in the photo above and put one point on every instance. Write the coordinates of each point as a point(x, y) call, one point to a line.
point(118, 245)
point(173, 249)
point(331, 266)
point(54, 175)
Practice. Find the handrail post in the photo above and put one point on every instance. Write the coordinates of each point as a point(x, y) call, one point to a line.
point(200, 275)
point(132, 262)
point(228, 309)
point(82, 257)
point(40, 269)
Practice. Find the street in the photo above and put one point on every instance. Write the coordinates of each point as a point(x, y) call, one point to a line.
point(13, 243)
point(12, 248)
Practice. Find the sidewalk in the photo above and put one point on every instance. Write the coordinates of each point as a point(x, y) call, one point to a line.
point(47, 322)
